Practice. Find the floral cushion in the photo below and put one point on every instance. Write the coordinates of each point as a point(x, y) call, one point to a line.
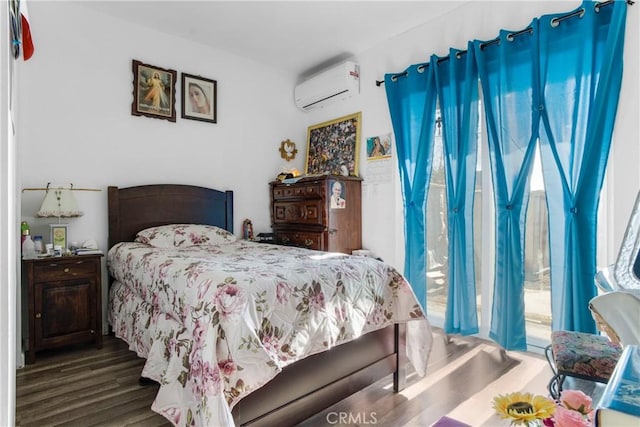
point(584, 355)
point(184, 235)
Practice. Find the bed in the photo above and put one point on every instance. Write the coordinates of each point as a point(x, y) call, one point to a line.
point(208, 353)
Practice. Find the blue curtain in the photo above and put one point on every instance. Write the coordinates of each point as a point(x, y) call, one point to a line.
point(457, 86)
point(412, 101)
point(581, 72)
point(558, 80)
point(507, 78)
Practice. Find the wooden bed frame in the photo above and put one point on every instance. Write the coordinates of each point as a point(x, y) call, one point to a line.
point(303, 388)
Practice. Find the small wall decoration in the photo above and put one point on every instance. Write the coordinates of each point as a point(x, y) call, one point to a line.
point(199, 98)
point(154, 91)
point(288, 150)
point(379, 147)
point(332, 147)
point(379, 159)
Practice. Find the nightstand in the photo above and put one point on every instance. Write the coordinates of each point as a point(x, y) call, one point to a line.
point(64, 300)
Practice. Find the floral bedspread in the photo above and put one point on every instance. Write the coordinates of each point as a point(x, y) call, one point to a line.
point(216, 322)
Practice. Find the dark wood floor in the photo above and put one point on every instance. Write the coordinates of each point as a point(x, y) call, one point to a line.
point(89, 387)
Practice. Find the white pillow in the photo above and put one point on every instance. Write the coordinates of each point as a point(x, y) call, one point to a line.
point(184, 235)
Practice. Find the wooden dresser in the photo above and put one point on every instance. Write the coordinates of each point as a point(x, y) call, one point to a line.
point(305, 214)
point(64, 301)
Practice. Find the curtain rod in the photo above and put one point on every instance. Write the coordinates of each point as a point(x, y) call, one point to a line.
point(554, 22)
point(48, 187)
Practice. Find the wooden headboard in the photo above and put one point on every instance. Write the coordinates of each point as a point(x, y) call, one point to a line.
point(132, 209)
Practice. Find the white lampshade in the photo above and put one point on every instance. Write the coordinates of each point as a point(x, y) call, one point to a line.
point(59, 202)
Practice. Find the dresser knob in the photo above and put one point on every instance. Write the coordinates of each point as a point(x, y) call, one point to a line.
point(92, 332)
point(66, 270)
point(38, 315)
point(308, 242)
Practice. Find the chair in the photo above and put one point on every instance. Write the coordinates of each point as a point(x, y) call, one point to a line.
point(616, 312)
point(593, 357)
point(580, 355)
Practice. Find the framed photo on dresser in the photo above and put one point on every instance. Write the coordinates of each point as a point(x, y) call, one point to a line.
point(58, 235)
point(154, 91)
point(333, 146)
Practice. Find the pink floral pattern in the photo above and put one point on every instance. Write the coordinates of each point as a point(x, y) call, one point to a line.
point(216, 322)
point(184, 235)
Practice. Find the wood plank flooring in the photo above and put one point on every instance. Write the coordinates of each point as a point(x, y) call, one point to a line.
point(89, 387)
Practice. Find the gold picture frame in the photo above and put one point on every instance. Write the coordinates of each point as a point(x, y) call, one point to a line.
point(288, 150)
point(154, 91)
point(333, 146)
point(58, 235)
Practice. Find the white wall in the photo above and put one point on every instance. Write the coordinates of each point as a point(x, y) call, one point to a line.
point(76, 122)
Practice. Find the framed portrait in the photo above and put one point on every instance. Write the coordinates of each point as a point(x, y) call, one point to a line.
point(154, 91)
point(338, 198)
point(379, 147)
point(199, 98)
point(333, 146)
point(58, 235)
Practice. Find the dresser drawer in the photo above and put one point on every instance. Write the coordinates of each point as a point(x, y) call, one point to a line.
point(303, 239)
point(298, 212)
point(300, 191)
point(64, 270)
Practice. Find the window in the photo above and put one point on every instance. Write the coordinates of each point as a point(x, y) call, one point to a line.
point(437, 237)
point(537, 279)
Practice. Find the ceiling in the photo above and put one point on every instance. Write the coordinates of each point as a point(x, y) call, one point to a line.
point(296, 36)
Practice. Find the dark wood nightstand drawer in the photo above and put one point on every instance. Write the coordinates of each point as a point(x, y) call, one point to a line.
point(64, 270)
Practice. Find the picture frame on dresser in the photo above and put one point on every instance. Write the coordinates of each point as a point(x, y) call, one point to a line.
point(58, 234)
point(333, 146)
point(199, 98)
point(154, 91)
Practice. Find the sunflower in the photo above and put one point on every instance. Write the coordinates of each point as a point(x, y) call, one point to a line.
point(523, 408)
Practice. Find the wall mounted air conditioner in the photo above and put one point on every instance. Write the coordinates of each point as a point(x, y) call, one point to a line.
point(335, 83)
